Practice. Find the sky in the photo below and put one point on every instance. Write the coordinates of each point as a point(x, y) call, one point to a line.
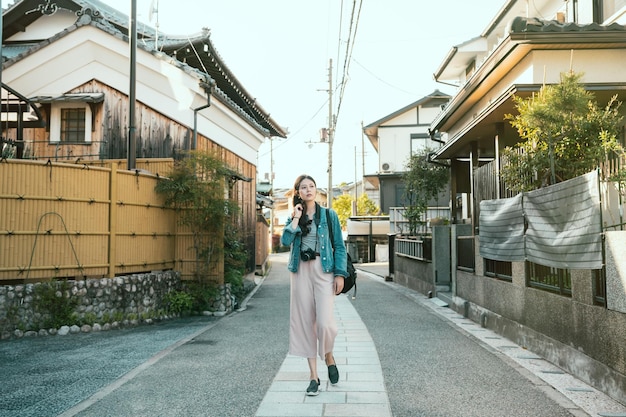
point(280, 50)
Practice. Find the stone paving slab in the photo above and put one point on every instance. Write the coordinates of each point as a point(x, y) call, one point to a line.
point(361, 388)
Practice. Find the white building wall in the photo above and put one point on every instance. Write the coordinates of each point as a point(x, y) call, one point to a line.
point(538, 67)
point(46, 26)
point(394, 145)
point(89, 53)
point(408, 118)
point(428, 114)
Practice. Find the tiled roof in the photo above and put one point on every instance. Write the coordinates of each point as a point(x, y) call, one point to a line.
point(523, 24)
point(187, 53)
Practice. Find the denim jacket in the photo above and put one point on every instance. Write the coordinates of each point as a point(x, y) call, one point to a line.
point(331, 262)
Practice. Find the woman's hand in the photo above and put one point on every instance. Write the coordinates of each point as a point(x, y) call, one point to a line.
point(338, 284)
point(295, 217)
point(297, 211)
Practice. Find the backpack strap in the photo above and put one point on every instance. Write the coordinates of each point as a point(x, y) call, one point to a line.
point(348, 260)
point(330, 229)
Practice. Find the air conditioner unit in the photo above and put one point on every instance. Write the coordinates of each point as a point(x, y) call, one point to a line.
point(386, 167)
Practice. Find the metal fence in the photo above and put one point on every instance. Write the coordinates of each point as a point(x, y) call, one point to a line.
point(420, 249)
point(398, 223)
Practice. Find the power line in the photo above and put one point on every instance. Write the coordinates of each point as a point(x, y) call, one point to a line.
point(349, 48)
point(300, 129)
point(381, 80)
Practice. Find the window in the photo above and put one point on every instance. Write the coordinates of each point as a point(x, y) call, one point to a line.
point(499, 269)
point(547, 278)
point(608, 11)
point(70, 123)
point(73, 125)
point(419, 141)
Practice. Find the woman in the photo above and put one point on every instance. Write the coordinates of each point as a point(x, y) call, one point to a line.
point(317, 275)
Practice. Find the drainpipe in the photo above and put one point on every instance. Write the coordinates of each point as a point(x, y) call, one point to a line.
point(431, 133)
point(209, 90)
point(132, 141)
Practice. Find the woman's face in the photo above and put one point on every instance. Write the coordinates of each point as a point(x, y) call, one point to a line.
point(307, 190)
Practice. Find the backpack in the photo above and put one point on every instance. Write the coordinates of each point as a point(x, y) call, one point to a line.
point(350, 280)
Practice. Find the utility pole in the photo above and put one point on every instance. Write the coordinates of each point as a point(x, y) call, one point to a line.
point(331, 133)
point(355, 205)
point(272, 194)
point(362, 160)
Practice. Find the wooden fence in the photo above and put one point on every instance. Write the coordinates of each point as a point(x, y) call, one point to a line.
point(73, 220)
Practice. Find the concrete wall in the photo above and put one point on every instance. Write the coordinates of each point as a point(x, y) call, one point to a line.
point(616, 271)
point(414, 274)
point(586, 340)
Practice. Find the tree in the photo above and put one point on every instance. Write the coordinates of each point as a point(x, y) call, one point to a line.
point(423, 182)
point(195, 188)
point(343, 206)
point(366, 207)
point(564, 134)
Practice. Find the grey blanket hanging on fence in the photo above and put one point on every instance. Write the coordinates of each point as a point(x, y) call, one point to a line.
point(563, 226)
point(502, 229)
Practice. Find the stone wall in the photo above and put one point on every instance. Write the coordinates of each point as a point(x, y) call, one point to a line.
point(97, 304)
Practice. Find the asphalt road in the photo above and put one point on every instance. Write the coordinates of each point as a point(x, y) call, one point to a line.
point(433, 369)
point(206, 366)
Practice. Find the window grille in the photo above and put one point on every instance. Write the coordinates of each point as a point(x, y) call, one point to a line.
point(547, 278)
point(73, 125)
point(499, 269)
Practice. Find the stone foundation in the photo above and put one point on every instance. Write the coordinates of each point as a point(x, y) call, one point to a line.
point(99, 304)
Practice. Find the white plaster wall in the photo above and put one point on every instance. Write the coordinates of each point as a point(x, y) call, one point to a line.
point(597, 66)
point(46, 26)
point(89, 53)
point(428, 114)
point(407, 118)
point(394, 146)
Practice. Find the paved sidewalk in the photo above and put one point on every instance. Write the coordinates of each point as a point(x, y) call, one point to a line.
point(361, 388)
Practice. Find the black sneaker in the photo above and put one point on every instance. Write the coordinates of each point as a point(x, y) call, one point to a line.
point(333, 374)
point(314, 387)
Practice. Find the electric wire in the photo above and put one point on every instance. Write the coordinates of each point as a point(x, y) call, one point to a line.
point(381, 80)
point(349, 49)
point(339, 38)
point(341, 86)
point(299, 130)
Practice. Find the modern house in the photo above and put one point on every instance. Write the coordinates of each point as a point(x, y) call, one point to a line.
point(562, 299)
point(69, 64)
point(395, 138)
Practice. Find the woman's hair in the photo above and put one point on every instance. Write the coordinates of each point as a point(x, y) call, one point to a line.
point(303, 222)
point(296, 185)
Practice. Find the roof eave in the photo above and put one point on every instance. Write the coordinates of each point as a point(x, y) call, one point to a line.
point(527, 41)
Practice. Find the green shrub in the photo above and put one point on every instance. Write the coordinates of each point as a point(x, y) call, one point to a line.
point(55, 304)
point(203, 295)
point(178, 302)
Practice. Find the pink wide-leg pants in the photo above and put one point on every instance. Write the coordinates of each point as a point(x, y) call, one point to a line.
point(312, 326)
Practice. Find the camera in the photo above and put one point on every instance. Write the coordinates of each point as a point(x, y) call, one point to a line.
point(308, 255)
